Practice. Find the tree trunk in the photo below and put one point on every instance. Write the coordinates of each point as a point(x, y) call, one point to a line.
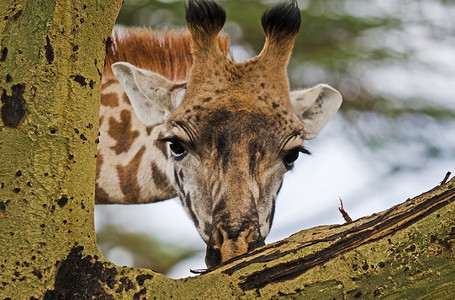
point(51, 62)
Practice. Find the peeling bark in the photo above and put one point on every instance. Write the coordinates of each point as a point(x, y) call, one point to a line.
point(47, 175)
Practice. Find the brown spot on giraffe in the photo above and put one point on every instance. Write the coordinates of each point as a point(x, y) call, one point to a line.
point(109, 99)
point(126, 99)
point(108, 83)
point(159, 178)
point(99, 163)
point(101, 196)
point(128, 177)
point(161, 146)
point(122, 133)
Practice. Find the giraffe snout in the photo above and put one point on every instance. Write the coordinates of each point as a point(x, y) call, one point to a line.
point(226, 244)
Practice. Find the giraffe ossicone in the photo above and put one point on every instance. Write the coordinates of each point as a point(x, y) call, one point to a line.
point(221, 137)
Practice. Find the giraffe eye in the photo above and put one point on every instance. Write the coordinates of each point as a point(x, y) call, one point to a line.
point(292, 155)
point(178, 150)
point(290, 158)
point(177, 147)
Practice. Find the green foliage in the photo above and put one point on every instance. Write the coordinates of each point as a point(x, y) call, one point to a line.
point(147, 251)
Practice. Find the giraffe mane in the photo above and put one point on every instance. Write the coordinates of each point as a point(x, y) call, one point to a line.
point(166, 52)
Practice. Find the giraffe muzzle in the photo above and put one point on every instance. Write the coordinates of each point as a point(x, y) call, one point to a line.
point(226, 244)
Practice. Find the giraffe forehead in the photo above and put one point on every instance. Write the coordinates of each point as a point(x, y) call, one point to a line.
point(223, 127)
point(247, 84)
point(227, 127)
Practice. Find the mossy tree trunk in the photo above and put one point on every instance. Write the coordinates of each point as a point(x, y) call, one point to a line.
point(51, 62)
point(50, 65)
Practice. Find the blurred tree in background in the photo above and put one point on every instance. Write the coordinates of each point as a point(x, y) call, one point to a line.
point(146, 251)
point(393, 62)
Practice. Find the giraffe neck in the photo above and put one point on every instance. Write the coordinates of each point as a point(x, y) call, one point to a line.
point(131, 165)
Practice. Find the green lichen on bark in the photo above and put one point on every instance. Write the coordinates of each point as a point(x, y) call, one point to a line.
point(48, 129)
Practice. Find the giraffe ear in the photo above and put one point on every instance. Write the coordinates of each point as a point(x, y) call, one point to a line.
point(315, 107)
point(152, 96)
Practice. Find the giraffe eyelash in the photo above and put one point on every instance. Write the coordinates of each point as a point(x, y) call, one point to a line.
point(304, 151)
point(170, 139)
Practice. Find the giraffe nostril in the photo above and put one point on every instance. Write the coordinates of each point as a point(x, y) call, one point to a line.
point(249, 234)
point(219, 237)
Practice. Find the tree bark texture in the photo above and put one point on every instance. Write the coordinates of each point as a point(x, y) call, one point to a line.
point(51, 61)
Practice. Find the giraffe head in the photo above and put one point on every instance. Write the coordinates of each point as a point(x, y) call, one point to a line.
point(233, 129)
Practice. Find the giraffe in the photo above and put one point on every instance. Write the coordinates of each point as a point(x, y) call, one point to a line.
point(217, 133)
